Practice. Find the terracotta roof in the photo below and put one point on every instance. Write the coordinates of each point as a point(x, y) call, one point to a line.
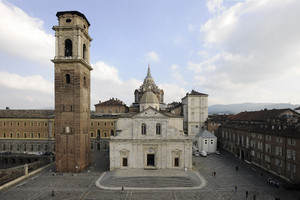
point(111, 102)
point(262, 115)
point(26, 113)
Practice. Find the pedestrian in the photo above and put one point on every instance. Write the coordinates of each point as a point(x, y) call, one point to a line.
point(235, 188)
point(53, 193)
point(214, 173)
point(254, 197)
point(122, 189)
point(247, 194)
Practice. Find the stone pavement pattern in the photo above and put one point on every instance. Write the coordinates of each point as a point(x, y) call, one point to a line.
point(221, 186)
point(140, 178)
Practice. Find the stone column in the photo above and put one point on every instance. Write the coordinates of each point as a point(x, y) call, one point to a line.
point(26, 170)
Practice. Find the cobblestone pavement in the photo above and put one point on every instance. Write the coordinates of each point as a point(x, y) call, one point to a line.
point(221, 186)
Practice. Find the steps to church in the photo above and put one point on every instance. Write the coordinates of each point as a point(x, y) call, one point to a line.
point(141, 179)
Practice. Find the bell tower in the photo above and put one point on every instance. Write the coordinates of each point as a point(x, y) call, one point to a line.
point(72, 92)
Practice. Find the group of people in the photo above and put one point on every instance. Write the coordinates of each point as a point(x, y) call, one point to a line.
point(273, 182)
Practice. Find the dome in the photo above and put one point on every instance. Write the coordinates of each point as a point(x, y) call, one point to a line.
point(149, 97)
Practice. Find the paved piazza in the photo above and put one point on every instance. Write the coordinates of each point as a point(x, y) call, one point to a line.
point(221, 186)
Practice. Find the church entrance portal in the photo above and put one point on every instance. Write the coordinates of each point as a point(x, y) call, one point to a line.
point(150, 160)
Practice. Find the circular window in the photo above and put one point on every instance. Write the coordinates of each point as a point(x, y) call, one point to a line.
point(68, 20)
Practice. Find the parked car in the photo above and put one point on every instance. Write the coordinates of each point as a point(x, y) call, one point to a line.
point(203, 153)
point(217, 152)
point(48, 153)
point(196, 153)
point(6, 153)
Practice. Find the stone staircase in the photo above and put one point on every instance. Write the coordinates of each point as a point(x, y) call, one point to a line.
point(150, 181)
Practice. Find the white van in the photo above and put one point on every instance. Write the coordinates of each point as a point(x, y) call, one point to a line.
point(203, 153)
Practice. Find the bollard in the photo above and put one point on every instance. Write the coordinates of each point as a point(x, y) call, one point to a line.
point(26, 170)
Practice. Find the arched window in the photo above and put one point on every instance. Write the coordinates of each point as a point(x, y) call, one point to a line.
point(158, 129)
point(84, 81)
point(144, 129)
point(68, 78)
point(98, 133)
point(92, 134)
point(68, 48)
point(112, 132)
point(84, 51)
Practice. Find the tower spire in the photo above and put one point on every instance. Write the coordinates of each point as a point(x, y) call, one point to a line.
point(149, 72)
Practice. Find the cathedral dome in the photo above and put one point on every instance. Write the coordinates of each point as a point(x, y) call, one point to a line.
point(149, 97)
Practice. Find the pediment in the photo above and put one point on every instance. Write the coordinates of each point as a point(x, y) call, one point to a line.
point(150, 113)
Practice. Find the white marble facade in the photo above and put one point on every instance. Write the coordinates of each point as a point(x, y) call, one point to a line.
point(150, 139)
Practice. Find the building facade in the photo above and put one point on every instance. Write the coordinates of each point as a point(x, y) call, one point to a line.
point(33, 131)
point(111, 106)
point(150, 140)
point(195, 112)
point(269, 139)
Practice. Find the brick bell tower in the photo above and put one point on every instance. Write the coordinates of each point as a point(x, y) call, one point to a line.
point(72, 92)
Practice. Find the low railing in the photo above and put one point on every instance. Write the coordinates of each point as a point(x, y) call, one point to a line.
point(10, 174)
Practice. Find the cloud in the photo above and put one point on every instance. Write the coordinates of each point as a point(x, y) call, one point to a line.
point(207, 65)
point(214, 5)
point(177, 75)
point(107, 84)
point(24, 36)
point(255, 52)
point(174, 67)
point(152, 57)
point(104, 72)
point(33, 83)
point(191, 28)
point(203, 53)
point(172, 92)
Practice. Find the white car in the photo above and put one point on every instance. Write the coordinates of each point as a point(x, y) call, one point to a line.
point(203, 153)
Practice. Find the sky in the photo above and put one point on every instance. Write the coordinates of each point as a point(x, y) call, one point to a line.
point(235, 51)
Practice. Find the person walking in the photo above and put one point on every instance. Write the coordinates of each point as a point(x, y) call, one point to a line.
point(235, 188)
point(254, 197)
point(247, 194)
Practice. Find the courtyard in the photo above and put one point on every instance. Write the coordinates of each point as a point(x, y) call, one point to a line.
point(226, 183)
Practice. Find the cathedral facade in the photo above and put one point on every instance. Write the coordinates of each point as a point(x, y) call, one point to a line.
point(150, 138)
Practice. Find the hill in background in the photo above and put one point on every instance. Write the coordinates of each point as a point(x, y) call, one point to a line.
point(237, 108)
